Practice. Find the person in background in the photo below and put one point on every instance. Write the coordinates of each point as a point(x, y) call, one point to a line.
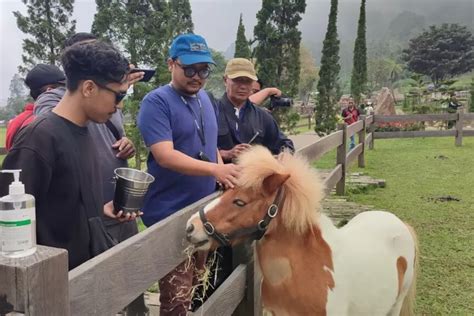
point(40, 79)
point(453, 106)
point(57, 154)
point(369, 109)
point(178, 124)
point(113, 149)
point(260, 94)
point(351, 115)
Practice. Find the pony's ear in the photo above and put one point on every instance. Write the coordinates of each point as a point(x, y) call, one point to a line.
point(273, 182)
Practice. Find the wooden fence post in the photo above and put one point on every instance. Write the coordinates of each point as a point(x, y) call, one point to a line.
point(37, 284)
point(361, 133)
point(341, 160)
point(251, 304)
point(309, 121)
point(372, 131)
point(459, 124)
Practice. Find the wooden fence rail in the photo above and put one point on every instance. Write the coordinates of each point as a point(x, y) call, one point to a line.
point(458, 132)
point(40, 284)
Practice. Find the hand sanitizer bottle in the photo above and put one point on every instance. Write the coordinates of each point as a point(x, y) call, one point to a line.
point(17, 220)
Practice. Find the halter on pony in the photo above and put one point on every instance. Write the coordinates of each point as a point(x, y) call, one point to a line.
point(255, 232)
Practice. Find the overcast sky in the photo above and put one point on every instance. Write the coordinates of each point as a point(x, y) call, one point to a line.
point(217, 21)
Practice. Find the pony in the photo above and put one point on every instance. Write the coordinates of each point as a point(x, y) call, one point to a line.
point(309, 266)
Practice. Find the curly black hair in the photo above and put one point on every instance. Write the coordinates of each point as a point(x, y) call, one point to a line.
point(97, 61)
point(77, 38)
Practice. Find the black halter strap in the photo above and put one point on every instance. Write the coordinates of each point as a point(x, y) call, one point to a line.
point(255, 232)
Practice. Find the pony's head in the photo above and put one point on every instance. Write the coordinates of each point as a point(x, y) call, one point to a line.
point(272, 193)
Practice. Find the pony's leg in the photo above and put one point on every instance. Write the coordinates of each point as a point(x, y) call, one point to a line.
point(395, 310)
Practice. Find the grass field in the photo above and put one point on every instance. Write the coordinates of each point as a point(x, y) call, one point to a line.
point(417, 172)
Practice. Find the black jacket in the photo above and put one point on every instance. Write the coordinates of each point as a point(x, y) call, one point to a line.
point(252, 121)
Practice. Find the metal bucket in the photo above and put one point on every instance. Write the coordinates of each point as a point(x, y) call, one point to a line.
point(131, 185)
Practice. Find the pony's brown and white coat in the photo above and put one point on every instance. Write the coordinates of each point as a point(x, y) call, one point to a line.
point(309, 266)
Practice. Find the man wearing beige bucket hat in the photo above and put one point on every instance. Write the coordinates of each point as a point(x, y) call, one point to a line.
point(241, 123)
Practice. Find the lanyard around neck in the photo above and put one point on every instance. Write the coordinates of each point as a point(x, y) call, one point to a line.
point(200, 126)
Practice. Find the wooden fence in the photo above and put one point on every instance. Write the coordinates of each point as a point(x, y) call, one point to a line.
point(458, 131)
point(41, 284)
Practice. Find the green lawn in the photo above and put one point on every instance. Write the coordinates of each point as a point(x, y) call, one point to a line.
point(417, 171)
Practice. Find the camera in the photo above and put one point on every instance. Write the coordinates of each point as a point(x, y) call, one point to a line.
point(280, 102)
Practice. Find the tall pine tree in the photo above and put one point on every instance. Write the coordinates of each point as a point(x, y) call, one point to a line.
point(242, 48)
point(359, 70)
point(326, 106)
point(278, 43)
point(47, 24)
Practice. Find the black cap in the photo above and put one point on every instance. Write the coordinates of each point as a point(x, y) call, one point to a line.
point(42, 75)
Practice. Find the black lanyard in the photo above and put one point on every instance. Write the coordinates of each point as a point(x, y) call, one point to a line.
point(200, 126)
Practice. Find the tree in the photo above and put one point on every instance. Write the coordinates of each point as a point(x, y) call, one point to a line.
point(359, 70)
point(242, 48)
point(441, 52)
point(308, 74)
point(145, 29)
point(47, 24)
point(17, 99)
point(278, 43)
point(328, 77)
point(215, 83)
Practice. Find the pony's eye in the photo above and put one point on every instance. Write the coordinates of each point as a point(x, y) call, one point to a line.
point(239, 202)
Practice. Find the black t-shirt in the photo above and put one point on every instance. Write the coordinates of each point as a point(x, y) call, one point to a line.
point(253, 123)
point(46, 152)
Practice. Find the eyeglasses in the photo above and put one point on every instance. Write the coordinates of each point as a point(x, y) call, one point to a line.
point(119, 95)
point(190, 71)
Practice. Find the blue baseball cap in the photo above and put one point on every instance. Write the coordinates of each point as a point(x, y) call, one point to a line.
point(190, 49)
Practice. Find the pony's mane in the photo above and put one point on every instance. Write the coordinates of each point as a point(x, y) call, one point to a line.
point(303, 189)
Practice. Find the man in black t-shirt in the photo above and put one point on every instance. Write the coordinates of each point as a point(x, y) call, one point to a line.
point(57, 154)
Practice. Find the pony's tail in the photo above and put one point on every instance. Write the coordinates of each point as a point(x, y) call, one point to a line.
point(408, 306)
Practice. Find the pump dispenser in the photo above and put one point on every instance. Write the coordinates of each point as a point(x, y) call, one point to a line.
point(17, 220)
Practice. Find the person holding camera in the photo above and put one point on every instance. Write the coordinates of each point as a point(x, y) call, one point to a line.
point(241, 122)
point(178, 123)
point(260, 94)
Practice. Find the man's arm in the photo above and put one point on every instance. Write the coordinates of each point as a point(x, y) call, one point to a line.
point(259, 97)
point(167, 157)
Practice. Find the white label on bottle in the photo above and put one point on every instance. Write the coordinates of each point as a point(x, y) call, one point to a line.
point(15, 229)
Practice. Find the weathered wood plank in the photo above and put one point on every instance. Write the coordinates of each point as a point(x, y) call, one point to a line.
point(361, 137)
point(369, 120)
point(341, 160)
point(368, 139)
point(410, 134)
point(322, 146)
point(251, 304)
point(459, 124)
point(468, 132)
point(354, 128)
point(228, 296)
point(108, 282)
point(37, 284)
point(414, 118)
point(468, 117)
point(354, 154)
point(332, 178)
